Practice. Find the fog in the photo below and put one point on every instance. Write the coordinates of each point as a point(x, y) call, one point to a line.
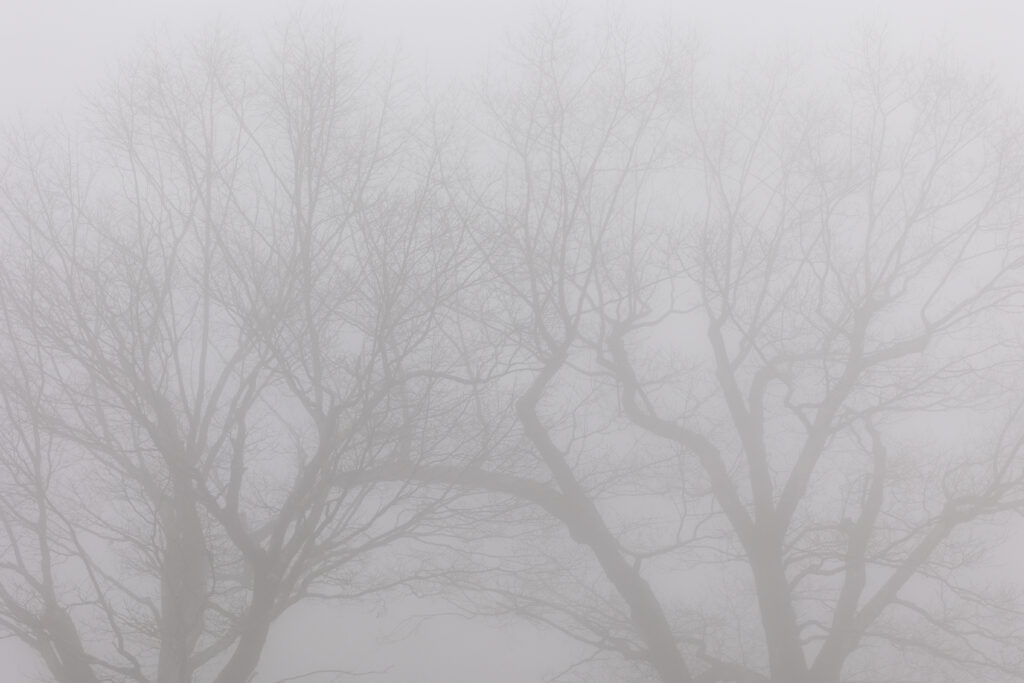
point(459, 341)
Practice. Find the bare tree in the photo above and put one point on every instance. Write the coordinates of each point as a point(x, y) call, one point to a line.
point(743, 309)
point(851, 271)
point(230, 294)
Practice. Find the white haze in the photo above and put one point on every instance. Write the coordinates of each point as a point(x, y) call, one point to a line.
point(51, 52)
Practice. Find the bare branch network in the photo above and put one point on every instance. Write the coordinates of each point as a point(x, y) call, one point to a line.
point(715, 375)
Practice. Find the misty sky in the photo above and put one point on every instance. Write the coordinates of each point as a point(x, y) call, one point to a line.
point(51, 50)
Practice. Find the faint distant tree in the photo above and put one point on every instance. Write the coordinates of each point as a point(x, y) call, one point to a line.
point(855, 269)
point(763, 330)
point(229, 291)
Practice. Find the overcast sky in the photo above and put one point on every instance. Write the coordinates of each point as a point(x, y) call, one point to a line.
point(52, 49)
